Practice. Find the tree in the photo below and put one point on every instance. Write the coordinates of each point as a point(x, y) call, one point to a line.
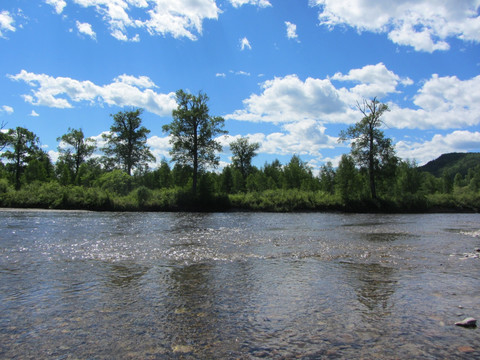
point(243, 153)
point(75, 149)
point(297, 173)
point(327, 178)
point(347, 179)
point(3, 136)
point(127, 141)
point(193, 133)
point(370, 148)
point(23, 146)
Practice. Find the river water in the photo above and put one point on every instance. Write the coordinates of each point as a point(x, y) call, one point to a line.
point(89, 285)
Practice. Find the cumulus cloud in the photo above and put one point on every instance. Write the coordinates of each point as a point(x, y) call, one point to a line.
point(443, 103)
point(6, 23)
point(303, 138)
point(291, 30)
point(86, 29)
point(179, 18)
point(6, 109)
point(375, 81)
point(259, 3)
point(425, 25)
point(34, 113)
point(159, 146)
point(245, 44)
point(422, 152)
point(59, 5)
point(289, 99)
point(125, 90)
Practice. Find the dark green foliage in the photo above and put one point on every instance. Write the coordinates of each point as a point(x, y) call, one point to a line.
point(115, 182)
point(193, 133)
point(327, 178)
point(243, 153)
point(74, 149)
point(22, 147)
point(370, 149)
point(452, 163)
point(100, 185)
point(127, 141)
point(348, 180)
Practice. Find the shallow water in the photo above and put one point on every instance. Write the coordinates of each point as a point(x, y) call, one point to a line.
point(87, 285)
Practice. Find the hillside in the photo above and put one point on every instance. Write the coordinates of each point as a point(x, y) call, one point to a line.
point(452, 164)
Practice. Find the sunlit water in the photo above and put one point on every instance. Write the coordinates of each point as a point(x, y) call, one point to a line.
point(87, 285)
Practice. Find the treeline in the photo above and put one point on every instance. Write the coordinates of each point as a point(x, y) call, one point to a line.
point(273, 187)
point(117, 177)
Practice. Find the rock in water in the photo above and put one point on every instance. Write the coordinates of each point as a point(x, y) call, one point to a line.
point(467, 322)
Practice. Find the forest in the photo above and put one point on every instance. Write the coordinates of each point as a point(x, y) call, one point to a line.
point(118, 177)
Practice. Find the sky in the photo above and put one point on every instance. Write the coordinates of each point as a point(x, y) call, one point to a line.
point(287, 74)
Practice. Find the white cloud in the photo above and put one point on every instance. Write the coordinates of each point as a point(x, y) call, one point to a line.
point(220, 75)
point(57, 4)
point(245, 44)
point(34, 113)
point(54, 155)
point(259, 3)
point(241, 72)
point(159, 146)
point(7, 109)
point(422, 152)
point(86, 28)
point(303, 138)
point(291, 30)
point(289, 99)
point(375, 81)
point(179, 18)
point(125, 90)
point(6, 23)
point(444, 103)
point(423, 24)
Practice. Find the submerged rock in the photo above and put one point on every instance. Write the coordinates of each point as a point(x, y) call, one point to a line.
point(467, 322)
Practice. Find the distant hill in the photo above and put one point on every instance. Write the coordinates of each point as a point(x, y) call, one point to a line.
point(452, 164)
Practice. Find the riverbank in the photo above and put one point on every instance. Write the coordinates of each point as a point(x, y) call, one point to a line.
point(55, 196)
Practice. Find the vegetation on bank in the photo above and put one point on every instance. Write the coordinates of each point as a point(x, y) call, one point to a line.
point(369, 179)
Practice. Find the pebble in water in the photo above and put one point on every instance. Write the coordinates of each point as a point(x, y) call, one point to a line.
point(467, 322)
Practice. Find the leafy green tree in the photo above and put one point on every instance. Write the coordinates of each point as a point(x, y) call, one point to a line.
point(327, 178)
point(227, 180)
point(127, 141)
point(181, 175)
point(297, 173)
point(447, 183)
point(22, 146)
point(39, 168)
point(370, 148)
point(474, 184)
point(347, 179)
point(116, 182)
point(243, 153)
point(193, 133)
point(409, 179)
point(274, 173)
point(164, 175)
point(3, 136)
point(257, 182)
point(75, 148)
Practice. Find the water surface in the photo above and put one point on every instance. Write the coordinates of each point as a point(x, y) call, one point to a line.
point(88, 285)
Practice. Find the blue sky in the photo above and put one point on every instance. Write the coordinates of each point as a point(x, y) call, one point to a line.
point(285, 73)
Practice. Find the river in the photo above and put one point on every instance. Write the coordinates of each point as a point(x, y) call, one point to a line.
point(90, 285)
